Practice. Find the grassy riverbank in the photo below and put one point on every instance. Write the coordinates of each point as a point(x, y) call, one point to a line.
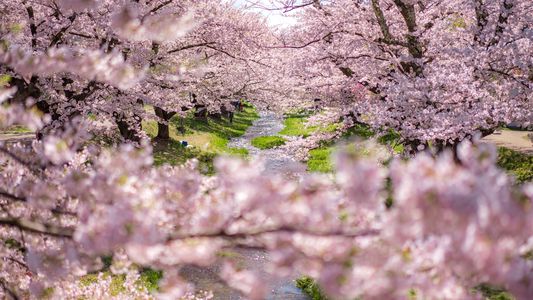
point(516, 163)
point(267, 142)
point(320, 158)
point(208, 138)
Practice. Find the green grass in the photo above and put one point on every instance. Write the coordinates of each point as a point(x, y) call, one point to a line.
point(320, 159)
point(516, 163)
point(392, 139)
point(491, 292)
point(267, 142)
point(214, 135)
point(295, 125)
point(116, 286)
point(362, 131)
point(16, 129)
point(310, 288)
point(173, 153)
point(150, 279)
point(209, 137)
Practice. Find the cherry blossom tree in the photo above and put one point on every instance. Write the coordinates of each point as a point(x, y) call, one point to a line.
point(148, 52)
point(66, 203)
point(435, 71)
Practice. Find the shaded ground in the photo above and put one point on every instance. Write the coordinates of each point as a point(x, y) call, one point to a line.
point(207, 138)
point(210, 135)
point(512, 139)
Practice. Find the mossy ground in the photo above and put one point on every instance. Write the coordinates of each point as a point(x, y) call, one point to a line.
point(267, 142)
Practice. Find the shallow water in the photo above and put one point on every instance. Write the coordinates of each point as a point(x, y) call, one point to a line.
point(276, 161)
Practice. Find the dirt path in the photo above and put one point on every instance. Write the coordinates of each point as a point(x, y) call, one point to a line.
point(513, 139)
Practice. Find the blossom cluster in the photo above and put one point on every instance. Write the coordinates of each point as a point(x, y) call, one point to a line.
point(69, 205)
point(436, 72)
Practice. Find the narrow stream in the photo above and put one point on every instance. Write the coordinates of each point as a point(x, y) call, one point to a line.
point(276, 161)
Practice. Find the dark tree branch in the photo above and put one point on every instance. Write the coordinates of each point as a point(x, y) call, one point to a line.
point(283, 229)
point(59, 35)
point(8, 291)
point(42, 228)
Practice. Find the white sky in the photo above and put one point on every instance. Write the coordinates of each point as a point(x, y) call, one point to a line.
point(275, 18)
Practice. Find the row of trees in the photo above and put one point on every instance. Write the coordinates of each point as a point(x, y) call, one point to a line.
point(111, 59)
point(434, 71)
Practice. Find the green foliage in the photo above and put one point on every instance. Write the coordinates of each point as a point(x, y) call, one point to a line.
point(89, 279)
point(309, 287)
point(4, 80)
point(48, 293)
point(491, 292)
point(330, 127)
point(457, 21)
point(11, 243)
point(392, 138)
point(411, 294)
point(116, 286)
point(267, 142)
point(389, 200)
point(360, 130)
point(107, 261)
point(517, 163)
point(150, 279)
point(295, 125)
point(16, 27)
point(223, 127)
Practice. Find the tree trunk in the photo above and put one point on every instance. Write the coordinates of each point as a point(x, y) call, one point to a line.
point(200, 112)
point(127, 131)
point(129, 127)
point(163, 131)
point(181, 127)
point(215, 116)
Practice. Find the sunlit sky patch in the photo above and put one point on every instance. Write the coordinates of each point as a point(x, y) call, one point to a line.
point(275, 18)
